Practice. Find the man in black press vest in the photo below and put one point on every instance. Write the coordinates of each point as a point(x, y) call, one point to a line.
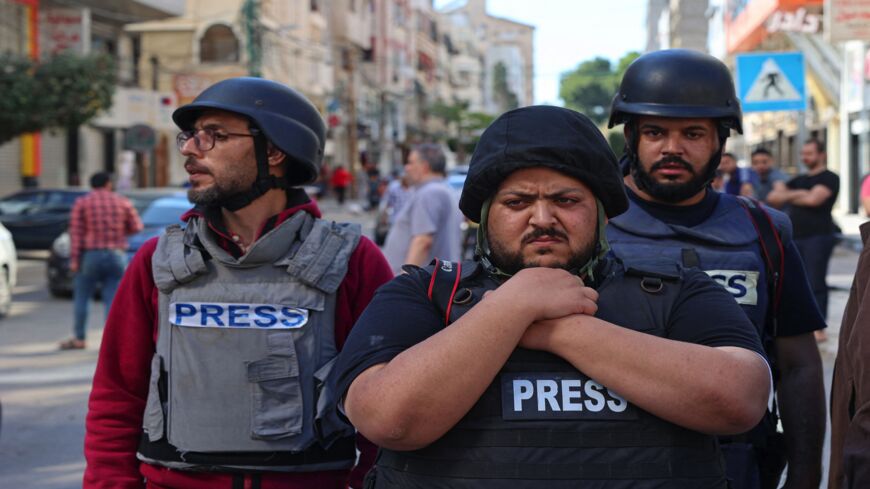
point(678, 108)
point(545, 362)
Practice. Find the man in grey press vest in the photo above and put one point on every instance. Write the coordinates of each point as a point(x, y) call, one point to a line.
point(546, 363)
point(214, 355)
point(678, 108)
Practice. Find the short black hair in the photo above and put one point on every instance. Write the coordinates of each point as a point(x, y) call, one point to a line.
point(730, 155)
point(100, 179)
point(762, 151)
point(820, 146)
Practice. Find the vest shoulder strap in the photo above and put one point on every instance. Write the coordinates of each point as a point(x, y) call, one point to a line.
point(174, 261)
point(443, 285)
point(321, 260)
point(771, 249)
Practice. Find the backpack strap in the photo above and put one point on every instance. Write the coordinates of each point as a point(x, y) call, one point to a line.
point(443, 285)
point(772, 251)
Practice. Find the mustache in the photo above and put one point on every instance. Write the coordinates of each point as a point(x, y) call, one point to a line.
point(540, 232)
point(191, 166)
point(672, 160)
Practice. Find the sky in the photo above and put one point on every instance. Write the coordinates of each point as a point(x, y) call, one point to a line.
point(568, 32)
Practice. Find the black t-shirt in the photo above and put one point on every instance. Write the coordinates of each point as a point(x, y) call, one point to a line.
point(798, 312)
point(401, 315)
point(814, 221)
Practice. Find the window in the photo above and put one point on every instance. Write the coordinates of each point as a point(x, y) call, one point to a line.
point(219, 45)
point(315, 5)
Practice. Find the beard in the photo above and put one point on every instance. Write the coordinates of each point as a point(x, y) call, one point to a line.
point(670, 191)
point(234, 181)
point(512, 261)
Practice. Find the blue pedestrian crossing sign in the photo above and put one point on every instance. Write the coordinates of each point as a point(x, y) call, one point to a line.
point(771, 81)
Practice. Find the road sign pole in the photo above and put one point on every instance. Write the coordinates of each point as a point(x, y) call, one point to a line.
point(802, 136)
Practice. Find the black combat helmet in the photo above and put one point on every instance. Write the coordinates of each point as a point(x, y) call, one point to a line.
point(678, 83)
point(553, 137)
point(280, 114)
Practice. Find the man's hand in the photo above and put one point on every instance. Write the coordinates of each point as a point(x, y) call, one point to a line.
point(550, 293)
point(73, 267)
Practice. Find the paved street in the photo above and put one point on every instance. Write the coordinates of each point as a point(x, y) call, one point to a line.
point(44, 391)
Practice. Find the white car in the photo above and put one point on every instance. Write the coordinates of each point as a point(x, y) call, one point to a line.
point(8, 270)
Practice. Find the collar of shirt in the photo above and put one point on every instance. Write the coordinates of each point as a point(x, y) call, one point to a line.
point(682, 215)
point(297, 200)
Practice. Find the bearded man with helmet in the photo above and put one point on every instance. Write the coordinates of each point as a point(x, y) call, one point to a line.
point(213, 357)
point(545, 363)
point(678, 108)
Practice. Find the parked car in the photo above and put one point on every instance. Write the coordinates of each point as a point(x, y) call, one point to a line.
point(36, 217)
point(156, 209)
point(160, 214)
point(8, 270)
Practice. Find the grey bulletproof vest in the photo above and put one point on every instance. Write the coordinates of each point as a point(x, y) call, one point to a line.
point(245, 344)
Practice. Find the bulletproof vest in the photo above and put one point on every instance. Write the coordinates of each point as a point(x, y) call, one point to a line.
point(725, 246)
point(542, 423)
point(244, 347)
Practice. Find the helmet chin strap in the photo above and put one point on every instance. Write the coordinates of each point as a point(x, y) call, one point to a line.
point(264, 181)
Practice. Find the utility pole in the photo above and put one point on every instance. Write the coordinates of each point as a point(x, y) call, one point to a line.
point(352, 143)
point(251, 14)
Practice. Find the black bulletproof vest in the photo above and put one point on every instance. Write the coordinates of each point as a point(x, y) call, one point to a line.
point(542, 423)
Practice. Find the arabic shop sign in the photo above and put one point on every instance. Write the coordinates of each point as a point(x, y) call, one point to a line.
point(797, 21)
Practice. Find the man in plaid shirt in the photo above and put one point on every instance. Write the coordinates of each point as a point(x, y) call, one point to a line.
point(99, 226)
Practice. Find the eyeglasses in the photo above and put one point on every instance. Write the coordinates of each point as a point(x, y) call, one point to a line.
point(205, 138)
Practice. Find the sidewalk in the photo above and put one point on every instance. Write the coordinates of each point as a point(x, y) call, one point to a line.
point(840, 274)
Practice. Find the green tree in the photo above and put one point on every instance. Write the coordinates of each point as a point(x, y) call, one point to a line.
point(64, 91)
point(502, 94)
point(590, 87)
point(466, 125)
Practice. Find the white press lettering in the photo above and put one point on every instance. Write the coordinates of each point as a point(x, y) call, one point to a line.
point(547, 390)
point(523, 390)
point(572, 389)
point(595, 401)
point(616, 403)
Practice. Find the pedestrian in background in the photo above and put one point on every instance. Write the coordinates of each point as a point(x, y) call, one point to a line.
point(397, 193)
point(865, 194)
point(99, 225)
point(428, 225)
point(678, 108)
point(210, 368)
point(808, 199)
point(850, 387)
point(738, 180)
point(768, 175)
point(341, 180)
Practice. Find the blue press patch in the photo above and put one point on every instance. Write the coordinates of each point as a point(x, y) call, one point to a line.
point(231, 315)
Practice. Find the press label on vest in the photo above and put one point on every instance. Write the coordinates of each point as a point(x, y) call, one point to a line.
point(742, 284)
point(560, 395)
point(229, 315)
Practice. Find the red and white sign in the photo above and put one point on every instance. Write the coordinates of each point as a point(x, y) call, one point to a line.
point(847, 20)
point(64, 30)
